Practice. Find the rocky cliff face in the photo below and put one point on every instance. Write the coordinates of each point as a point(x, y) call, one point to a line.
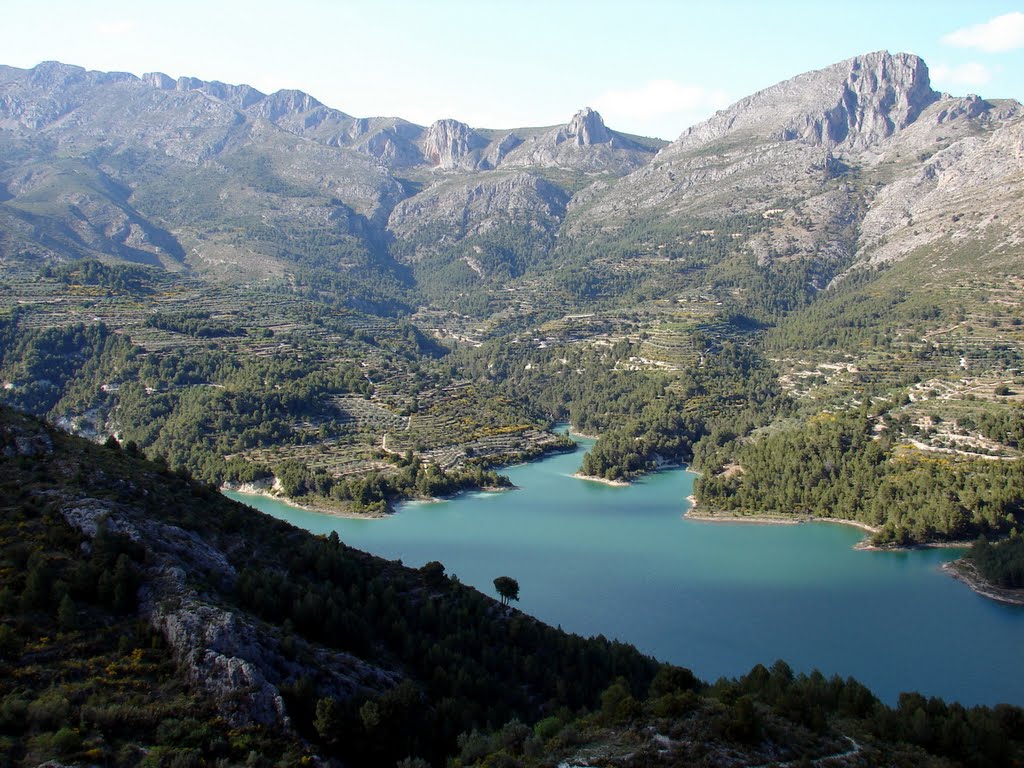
point(966, 192)
point(227, 653)
point(461, 217)
point(585, 129)
point(854, 104)
point(450, 144)
point(833, 161)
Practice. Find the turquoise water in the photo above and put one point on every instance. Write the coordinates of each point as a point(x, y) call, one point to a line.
point(716, 597)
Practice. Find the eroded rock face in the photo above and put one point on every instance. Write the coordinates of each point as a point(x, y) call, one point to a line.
point(858, 155)
point(854, 103)
point(451, 144)
point(38, 444)
point(967, 192)
point(461, 209)
point(229, 654)
point(869, 161)
point(585, 129)
point(584, 144)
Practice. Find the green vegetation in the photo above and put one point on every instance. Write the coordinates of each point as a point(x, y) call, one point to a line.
point(745, 331)
point(197, 324)
point(89, 674)
point(507, 588)
point(83, 678)
point(103, 669)
point(689, 328)
point(833, 466)
point(643, 419)
point(795, 718)
point(116, 277)
point(339, 407)
point(1001, 563)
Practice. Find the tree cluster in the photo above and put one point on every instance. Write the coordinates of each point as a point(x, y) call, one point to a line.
point(835, 465)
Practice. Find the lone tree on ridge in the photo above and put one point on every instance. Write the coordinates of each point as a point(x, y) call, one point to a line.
point(508, 588)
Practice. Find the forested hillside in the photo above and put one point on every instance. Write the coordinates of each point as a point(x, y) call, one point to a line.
point(149, 620)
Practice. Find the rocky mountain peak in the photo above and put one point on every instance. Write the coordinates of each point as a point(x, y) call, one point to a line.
point(159, 81)
point(586, 128)
point(448, 142)
point(854, 104)
point(50, 75)
point(882, 93)
point(53, 73)
point(285, 102)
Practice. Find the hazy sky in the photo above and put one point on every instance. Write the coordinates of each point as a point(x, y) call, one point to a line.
point(651, 67)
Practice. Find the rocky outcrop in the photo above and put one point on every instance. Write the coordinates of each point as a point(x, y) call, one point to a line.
point(859, 161)
point(853, 104)
point(499, 149)
point(236, 659)
point(23, 444)
point(492, 226)
point(584, 144)
point(238, 96)
point(585, 129)
point(394, 142)
point(453, 211)
point(966, 193)
point(451, 144)
point(289, 102)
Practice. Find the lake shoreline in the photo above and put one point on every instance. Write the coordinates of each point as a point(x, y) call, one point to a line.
point(602, 480)
point(966, 572)
point(863, 545)
point(333, 509)
point(556, 534)
point(322, 508)
point(960, 569)
point(265, 492)
point(727, 518)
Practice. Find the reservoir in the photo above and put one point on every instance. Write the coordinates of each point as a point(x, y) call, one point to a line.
point(715, 597)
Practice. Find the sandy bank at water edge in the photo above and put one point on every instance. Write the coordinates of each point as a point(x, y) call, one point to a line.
point(323, 507)
point(593, 479)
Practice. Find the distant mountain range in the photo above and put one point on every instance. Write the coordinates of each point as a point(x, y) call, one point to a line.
point(860, 162)
point(143, 169)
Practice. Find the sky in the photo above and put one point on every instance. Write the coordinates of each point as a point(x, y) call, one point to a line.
point(650, 67)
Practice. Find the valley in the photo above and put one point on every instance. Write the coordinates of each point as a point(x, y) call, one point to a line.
point(449, 293)
point(813, 299)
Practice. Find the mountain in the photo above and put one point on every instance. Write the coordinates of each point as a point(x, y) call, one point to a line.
point(813, 298)
point(821, 158)
point(180, 173)
point(828, 168)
